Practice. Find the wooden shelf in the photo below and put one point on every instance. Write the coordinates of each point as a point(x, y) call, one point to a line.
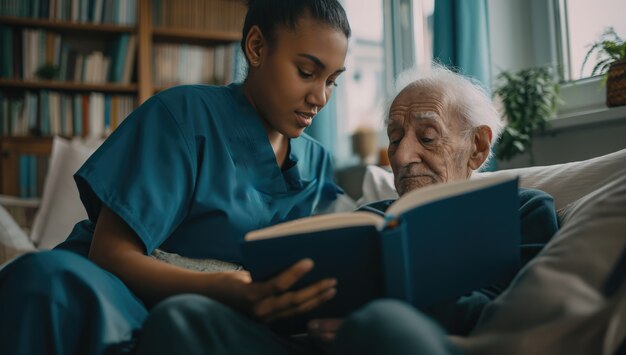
point(186, 35)
point(83, 27)
point(68, 86)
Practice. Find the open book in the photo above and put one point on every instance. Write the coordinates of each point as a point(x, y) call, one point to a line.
point(434, 244)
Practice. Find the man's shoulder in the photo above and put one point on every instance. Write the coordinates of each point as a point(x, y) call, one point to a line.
point(378, 207)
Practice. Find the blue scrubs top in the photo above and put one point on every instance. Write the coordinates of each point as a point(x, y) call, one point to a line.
point(192, 170)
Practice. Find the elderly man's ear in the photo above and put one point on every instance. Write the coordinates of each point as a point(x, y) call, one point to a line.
point(481, 145)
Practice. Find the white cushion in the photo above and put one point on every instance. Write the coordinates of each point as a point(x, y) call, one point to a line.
point(556, 304)
point(377, 185)
point(568, 182)
point(13, 240)
point(61, 207)
point(343, 203)
point(565, 182)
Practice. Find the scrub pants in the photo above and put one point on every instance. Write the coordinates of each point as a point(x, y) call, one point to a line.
point(193, 324)
point(59, 302)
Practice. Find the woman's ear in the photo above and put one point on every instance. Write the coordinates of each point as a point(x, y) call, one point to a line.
point(481, 145)
point(255, 45)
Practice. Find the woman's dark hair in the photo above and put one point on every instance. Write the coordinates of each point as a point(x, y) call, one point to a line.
point(269, 14)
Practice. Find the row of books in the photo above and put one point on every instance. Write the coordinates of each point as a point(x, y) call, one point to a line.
point(39, 54)
point(190, 64)
point(55, 113)
point(121, 12)
point(32, 173)
point(222, 15)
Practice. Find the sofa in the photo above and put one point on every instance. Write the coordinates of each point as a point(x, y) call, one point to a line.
point(557, 304)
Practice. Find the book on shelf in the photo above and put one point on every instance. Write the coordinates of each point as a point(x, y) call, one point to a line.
point(34, 49)
point(434, 244)
point(191, 64)
point(121, 12)
point(130, 51)
point(32, 169)
point(58, 113)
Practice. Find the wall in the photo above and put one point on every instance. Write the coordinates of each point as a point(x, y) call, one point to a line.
point(509, 35)
point(576, 142)
point(521, 37)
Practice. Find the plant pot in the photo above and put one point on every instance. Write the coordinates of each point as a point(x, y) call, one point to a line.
point(616, 85)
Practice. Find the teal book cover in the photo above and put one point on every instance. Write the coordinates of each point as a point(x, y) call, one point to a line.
point(435, 244)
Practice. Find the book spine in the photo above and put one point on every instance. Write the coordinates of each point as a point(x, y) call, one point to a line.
point(24, 176)
point(5, 129)
point(32, 176)
point(6, 35)
point(78, 115)
point(86, 129)
point(395, 263)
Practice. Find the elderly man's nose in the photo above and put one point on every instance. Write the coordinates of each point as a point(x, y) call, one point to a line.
point(407, 152)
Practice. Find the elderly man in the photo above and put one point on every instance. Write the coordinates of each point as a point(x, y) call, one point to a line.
point(441, 127)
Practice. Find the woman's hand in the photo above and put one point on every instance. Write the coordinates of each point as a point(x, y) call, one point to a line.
point(324, 329)
point(270, 300)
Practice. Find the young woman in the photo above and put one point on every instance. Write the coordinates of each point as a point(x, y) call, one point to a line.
point(190, 172)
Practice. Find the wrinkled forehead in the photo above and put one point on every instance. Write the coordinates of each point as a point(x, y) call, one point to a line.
point(414, 117)
point(418, 102)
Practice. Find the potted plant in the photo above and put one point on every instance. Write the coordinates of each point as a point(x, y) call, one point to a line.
point(529, 99)
point(610, 52)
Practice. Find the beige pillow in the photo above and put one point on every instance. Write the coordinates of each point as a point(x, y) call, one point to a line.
point(556, 304)
point(565, 182)
point(61, 207)
point(570, 181)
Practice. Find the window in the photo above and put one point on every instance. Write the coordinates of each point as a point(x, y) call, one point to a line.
point(364, 88)
point(361, 92)
point(364, 82)
point(582, 23)
point(423, 11)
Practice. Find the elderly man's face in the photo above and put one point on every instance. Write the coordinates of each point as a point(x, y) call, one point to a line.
point(427, 144)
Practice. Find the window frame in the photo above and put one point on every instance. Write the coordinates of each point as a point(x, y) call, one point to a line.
point(582, 99)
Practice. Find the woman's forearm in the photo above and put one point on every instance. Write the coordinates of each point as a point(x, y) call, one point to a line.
point(116, 248)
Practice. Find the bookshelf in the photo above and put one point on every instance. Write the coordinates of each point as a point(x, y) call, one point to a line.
point(190, 29)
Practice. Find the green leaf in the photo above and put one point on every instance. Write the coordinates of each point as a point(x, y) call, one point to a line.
point(609, 48)
point(528, 99)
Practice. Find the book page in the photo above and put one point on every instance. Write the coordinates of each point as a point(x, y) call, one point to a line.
point(436, 192)
point(316, 224)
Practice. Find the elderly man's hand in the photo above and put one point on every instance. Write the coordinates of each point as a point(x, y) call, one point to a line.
point(324, 329)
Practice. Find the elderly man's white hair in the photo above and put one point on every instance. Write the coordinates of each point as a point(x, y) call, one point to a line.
point(465, 96)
